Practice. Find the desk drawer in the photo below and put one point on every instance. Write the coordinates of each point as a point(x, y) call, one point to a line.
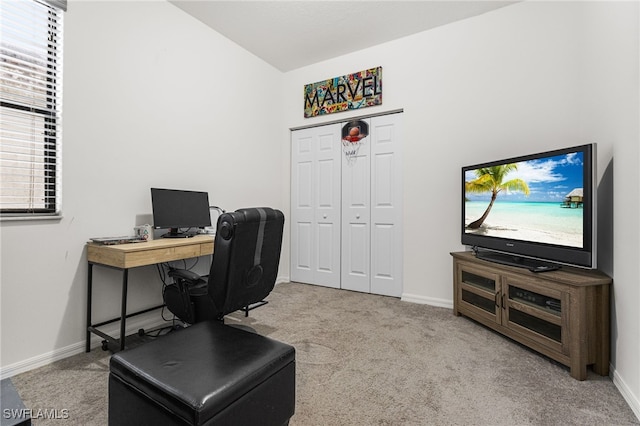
point(126, 256)
point(103, 256)
point(159, 255)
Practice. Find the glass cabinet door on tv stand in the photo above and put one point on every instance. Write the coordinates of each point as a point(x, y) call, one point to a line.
point(479, 292)
point(562, 314)
point(537, 312)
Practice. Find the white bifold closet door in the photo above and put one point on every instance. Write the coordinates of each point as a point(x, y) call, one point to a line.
point(315, 206)
point(356, 217)
point(372, 211)
point(346, 224)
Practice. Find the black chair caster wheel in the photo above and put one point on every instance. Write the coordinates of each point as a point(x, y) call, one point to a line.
point(105, 345)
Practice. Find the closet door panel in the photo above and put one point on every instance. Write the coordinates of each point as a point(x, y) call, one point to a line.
point(315, 202)
point(327, 206)
point(356, 214)
point(303, 242)
point(302, 205)
point(304, 177)
point(355, 263)
point(386, 205)
point(382, 256)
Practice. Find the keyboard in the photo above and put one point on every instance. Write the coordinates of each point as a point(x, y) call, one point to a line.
point(109, 241)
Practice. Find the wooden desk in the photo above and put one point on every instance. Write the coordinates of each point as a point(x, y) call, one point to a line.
point(127, 256)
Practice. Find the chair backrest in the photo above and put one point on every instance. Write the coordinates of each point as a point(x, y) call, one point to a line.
point(245, 259)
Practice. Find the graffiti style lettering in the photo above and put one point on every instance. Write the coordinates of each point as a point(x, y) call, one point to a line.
point(352, 91)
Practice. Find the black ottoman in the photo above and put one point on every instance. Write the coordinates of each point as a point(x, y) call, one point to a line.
point(206, 374)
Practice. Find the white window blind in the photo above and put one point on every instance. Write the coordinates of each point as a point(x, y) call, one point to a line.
point(31, 103)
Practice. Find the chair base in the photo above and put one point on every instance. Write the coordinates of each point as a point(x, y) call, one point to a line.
point(206, 374)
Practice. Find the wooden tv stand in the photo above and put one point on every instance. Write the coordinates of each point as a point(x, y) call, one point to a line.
point(562, 314)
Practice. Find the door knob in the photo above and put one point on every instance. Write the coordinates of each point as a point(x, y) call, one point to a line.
point(324, 216)
point(357, 216)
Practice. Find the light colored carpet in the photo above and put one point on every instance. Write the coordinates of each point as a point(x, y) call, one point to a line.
point(372, 360)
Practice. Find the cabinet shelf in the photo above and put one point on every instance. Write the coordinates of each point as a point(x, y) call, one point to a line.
point(478, 281)
point(562, 314)
point(475, 299)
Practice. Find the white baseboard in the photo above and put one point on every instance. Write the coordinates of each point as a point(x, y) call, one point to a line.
point(41, 360)
point(432, 301)
point(283, 279)
point(146, 321)
point(626, 393)
point(133, 325)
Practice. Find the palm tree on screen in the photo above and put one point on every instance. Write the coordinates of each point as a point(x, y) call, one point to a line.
point(490, 179)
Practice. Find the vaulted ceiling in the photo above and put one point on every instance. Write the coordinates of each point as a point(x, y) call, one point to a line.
point(293, 34)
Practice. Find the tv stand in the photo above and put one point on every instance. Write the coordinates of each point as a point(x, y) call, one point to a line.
point(561, 314)
point(518, 261)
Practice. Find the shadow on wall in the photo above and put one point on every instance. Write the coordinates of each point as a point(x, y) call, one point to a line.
point(605, 221)
point(604, 237)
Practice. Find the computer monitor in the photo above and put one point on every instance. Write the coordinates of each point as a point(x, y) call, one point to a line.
point(180, 211)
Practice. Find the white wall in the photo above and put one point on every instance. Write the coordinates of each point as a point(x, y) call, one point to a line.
point(152, 97)
point(525, 78)
point(611, 100)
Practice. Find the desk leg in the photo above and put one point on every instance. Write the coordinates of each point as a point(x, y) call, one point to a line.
point(123, 312)
point(89, 288)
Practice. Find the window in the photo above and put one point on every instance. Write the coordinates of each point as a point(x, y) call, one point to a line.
point(31, 101)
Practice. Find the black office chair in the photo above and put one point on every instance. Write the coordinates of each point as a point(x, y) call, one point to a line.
point(243, 271)
point(211, 373)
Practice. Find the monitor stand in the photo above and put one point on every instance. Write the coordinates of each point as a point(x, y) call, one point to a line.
point(175, 233)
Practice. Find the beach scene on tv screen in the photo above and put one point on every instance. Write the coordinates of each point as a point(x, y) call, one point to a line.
point(537, 200)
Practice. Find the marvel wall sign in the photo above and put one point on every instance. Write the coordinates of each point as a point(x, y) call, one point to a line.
point(352, 91)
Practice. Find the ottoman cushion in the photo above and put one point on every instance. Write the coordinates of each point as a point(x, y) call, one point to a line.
point(198, 372)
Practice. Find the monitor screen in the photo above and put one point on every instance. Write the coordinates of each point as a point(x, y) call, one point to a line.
point(180, 211)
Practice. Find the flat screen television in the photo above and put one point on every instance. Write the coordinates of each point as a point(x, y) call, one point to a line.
point(535, 211)
point(180, 211)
